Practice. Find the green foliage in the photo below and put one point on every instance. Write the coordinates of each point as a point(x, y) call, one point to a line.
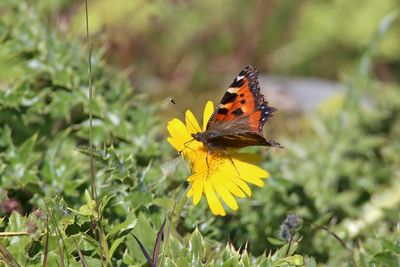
point(340, 178)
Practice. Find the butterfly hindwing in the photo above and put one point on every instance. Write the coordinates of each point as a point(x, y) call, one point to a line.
point(242, 140)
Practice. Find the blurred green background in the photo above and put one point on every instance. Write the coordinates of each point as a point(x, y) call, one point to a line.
point(339, 171)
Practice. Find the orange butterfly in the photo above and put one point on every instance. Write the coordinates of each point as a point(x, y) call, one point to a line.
point(239, 118)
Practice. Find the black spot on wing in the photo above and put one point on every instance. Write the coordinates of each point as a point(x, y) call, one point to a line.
point(236, 83)
point(242, 101)
point(222, 111)
point(228, 98)
point(237, 112)
point(260, 103)
point(252, 76)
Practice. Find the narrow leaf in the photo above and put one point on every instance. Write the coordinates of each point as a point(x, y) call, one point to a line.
point(46, 244)
point(157, 245)
point(8, 258)
point(115, 245)
point(145, 253)
point(83, 260)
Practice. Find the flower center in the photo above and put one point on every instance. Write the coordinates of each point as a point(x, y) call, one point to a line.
point(207, 163)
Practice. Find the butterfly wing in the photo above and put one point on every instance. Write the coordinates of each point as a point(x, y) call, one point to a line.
point(239, 119)
point(242, 140)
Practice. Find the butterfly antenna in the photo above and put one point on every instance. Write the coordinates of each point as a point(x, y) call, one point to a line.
point(183, 113)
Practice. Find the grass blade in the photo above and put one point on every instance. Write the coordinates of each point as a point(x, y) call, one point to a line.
point(145, 253)
point(46, 244)
point(8, 258)
point(157, 245)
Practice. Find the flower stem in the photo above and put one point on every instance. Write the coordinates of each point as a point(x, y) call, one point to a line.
point(290, 243)
point(178, 209)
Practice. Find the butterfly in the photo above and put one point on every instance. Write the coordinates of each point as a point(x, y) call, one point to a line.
point(239, 119)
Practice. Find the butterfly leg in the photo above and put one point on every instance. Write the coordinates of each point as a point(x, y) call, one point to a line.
point(274, 144)
point(186, 146)
point(226, 152)
point(208, 166)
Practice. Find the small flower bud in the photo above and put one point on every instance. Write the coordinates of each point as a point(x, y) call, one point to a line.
point(291, 221)
point(284, 233)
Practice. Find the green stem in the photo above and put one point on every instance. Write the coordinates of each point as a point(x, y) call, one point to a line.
point(178, 209)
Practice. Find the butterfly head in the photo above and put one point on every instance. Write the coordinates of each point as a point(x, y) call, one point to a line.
point(205, 138)
point(200, 136)
point(196, 136)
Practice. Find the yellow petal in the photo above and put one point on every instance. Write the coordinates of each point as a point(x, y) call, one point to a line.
point(247, 157)
point(253, 180)
point(176, 144)
point(191, 122)
point(208, 111)
point(178, 131)
point(247, 169)
point(198, 188)
point(243, 186)
point(224, 194)
point(213, 202)
point(232, 187)
point(235, 175)
point(189, 193)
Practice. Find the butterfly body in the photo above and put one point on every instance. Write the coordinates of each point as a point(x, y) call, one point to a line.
point(239, 118)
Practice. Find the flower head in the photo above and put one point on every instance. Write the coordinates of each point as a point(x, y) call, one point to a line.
point(217, 175)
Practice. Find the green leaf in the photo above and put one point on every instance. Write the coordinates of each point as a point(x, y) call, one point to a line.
point(276, 242)
point(145, 233)
point(164, 202)
point(115, 245)
point(93, 261)
point(97, 154)
point(392, 246)
point(72, 229)
point(169, 263)
point(104, 202)
point(18, 246)
point(127, 259)
point(16, 223)
point(310, 262)
point(196, 244)
point(386, 258)
point(281, 252)
point(295, 260)
point(245, 259)
point(176, 249)
point(231, 262)
point(27, 148)
point(128, 224)
point(89, 209)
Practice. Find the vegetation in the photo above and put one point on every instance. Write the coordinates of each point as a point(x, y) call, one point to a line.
point(332, 198)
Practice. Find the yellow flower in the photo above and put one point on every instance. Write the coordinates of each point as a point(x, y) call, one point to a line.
point(224, 176)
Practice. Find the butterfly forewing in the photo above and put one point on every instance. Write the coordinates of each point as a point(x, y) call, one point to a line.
point(243, 100)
